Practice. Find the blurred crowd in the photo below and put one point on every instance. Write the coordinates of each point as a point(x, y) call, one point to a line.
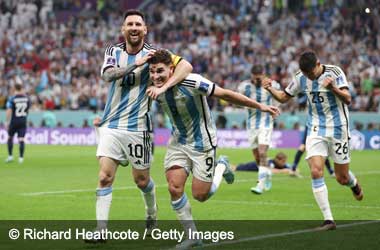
point(59, 59)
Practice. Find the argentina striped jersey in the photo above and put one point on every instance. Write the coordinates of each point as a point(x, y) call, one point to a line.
point(256, 118)
point(188, 111)
point(127, 105)
point(327, 114)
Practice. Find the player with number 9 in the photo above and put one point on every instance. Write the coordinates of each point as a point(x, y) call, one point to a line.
point(192, 146)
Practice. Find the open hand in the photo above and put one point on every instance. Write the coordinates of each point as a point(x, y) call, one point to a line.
point(144, 59)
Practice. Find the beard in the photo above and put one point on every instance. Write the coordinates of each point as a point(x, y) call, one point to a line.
point(135, 42)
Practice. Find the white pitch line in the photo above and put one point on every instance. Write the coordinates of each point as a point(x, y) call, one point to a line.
point(262, 203)
point(157, 186)
point(266, 236)
point(93, 190)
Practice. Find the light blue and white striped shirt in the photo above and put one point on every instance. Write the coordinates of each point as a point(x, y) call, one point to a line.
point(127, 105)
point(327, 114)
point(188, 111)
point(256, 118)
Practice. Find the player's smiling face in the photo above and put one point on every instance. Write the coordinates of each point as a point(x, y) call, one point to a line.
point(134, 29)
point(160, 73)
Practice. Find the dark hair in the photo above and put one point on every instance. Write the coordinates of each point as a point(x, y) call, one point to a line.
point(257, 69)
point(161, 56)
point(308, 61)
point(281, 155)
point(133, 12)
point(18, 86)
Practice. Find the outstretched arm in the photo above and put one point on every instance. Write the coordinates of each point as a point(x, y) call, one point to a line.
point(279, 95)
point(241, 100)
point(115, 73)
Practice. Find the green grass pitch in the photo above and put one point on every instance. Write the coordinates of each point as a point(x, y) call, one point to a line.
point(58, 183)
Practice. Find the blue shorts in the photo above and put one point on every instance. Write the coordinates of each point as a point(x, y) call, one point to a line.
point(19, 129)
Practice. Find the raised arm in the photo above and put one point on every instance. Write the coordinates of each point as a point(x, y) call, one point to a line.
point(241, 100)
point(182, 70)
point(279, 95)
point(112, 73)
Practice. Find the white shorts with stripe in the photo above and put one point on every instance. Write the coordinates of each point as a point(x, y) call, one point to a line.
point(337, 149)
point(123, 145)
point(261, 136)
point(201, 164)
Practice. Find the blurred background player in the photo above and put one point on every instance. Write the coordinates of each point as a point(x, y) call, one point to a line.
point(259, 125)
point(297, 157)
point(277, 165)
point(16, 120)
point(192, 147)
point(326, 88)
point(126, 123)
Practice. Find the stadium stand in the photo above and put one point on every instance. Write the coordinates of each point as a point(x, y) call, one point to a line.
point(55, 47)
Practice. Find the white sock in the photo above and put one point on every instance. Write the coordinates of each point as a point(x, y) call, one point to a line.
point(103, 204)
point(269, 172)
point(262, 175)
point(218, 176)
point(183, 210)
point(149, 195)
point(322, 197)
point(352, 181)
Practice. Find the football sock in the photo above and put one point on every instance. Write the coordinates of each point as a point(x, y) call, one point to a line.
point(10, 146)
point(149, 195)
point(218, 176)
point(263, 172)
point(321, 196)
point(183, 210)
point(352, 181)
point(297, 160)
point(103, 204)
point(22, 148)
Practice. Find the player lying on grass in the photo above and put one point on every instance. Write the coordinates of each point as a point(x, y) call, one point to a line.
point(277, 165)
point(192, 145)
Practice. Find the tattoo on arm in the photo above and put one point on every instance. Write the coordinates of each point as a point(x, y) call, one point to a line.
point(115, 73)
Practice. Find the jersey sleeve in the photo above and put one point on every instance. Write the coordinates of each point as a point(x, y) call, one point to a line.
point(199, 85)
point(176, 59)
point(9, 103)
point(109, 59)
point(294, 87)
point(341, 80)
point(205, 87)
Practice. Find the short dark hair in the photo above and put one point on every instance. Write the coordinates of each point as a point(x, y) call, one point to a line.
point(281, 155)
point(257, 69)
point(18, 86)
point(161, 56)
point(308, 61)
point(133, 12)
